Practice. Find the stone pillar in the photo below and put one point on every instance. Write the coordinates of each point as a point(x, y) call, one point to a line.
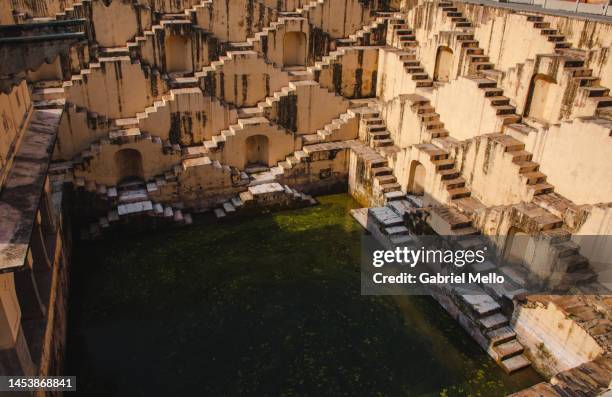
point(15, 356)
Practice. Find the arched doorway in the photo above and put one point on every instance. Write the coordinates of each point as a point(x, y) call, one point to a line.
point(257, 150)
point(444, 63)
point(294, 49)
point(128, 162)
point(535, 105)
point(416, 179)
point(178, 54)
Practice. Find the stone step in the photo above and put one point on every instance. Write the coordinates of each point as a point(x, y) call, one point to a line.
point(596, 91)
point(499, 100)
point(454, 183)
point(514, 364)
point(508, 349)
point(527, 166)
point(228, 207)
point(584, 276)
point(520, 156)
point(390, 187)
point(219, 213)
point(494, 321)
point(460, 192)
point(501, 335)
point(504, 109)
point(451, 173)
point(382, 171)
point(384, 179)
point(603, 101)
point(566, 249)
point(382, 142)
point(534, 177)
point(396, 230)
point(424, 83)
point(444, 163)
point(482, 305)
point(466, 231)
point(541, 188)
point(395, 195)
point(237, 202)
point(380, 134)
point(573, 262)
point(493, 92)
point(134, 208)
point(386, 216)
point(504, 291)
point(509, 118)
point(562, 44)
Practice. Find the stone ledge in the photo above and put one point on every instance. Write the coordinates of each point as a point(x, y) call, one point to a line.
point(20, 197)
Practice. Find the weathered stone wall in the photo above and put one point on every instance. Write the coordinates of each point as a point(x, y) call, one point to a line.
point(574, 156)
point(14, 111)
point(352, 74)
point(235, 21)
point(118, 22)
point(553, 339)
point(509, 37)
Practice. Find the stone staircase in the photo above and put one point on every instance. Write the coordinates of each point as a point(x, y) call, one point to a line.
point(218, 142)
point(429, 121)
point(372, 34)
point(76, 90)
point(274, 106)
point(561, 44)
point(328, 71)
point(401, 37)
point(341, 128)
point(404, 39)
point(458, 21)
point(123, 136)
point(528, 170)
point(574, 60)
point(148, 37)
point(264, 195)
point(384, 183)
point(133, 199)
point(571, 268)
point(503, 346)
point(573, 63)
point(448, 175)
point(213, 76)
point(498, 102)
point(377, 133)
point(481, 310)
point(79, 10)
point(476, 62)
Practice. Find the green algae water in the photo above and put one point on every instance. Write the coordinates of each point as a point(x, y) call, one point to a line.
point(261, 306)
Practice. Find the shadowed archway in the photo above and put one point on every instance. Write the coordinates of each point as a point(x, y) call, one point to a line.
point(257, 150)
point(178, 54)
point(537, 96)
point(294, 49)
point(128, 162)
point(444, 63)
point(416, 178)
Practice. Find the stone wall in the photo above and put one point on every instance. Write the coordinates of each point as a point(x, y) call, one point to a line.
point(555, 341)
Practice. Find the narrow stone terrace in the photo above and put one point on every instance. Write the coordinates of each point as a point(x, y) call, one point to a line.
point(20, 197)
